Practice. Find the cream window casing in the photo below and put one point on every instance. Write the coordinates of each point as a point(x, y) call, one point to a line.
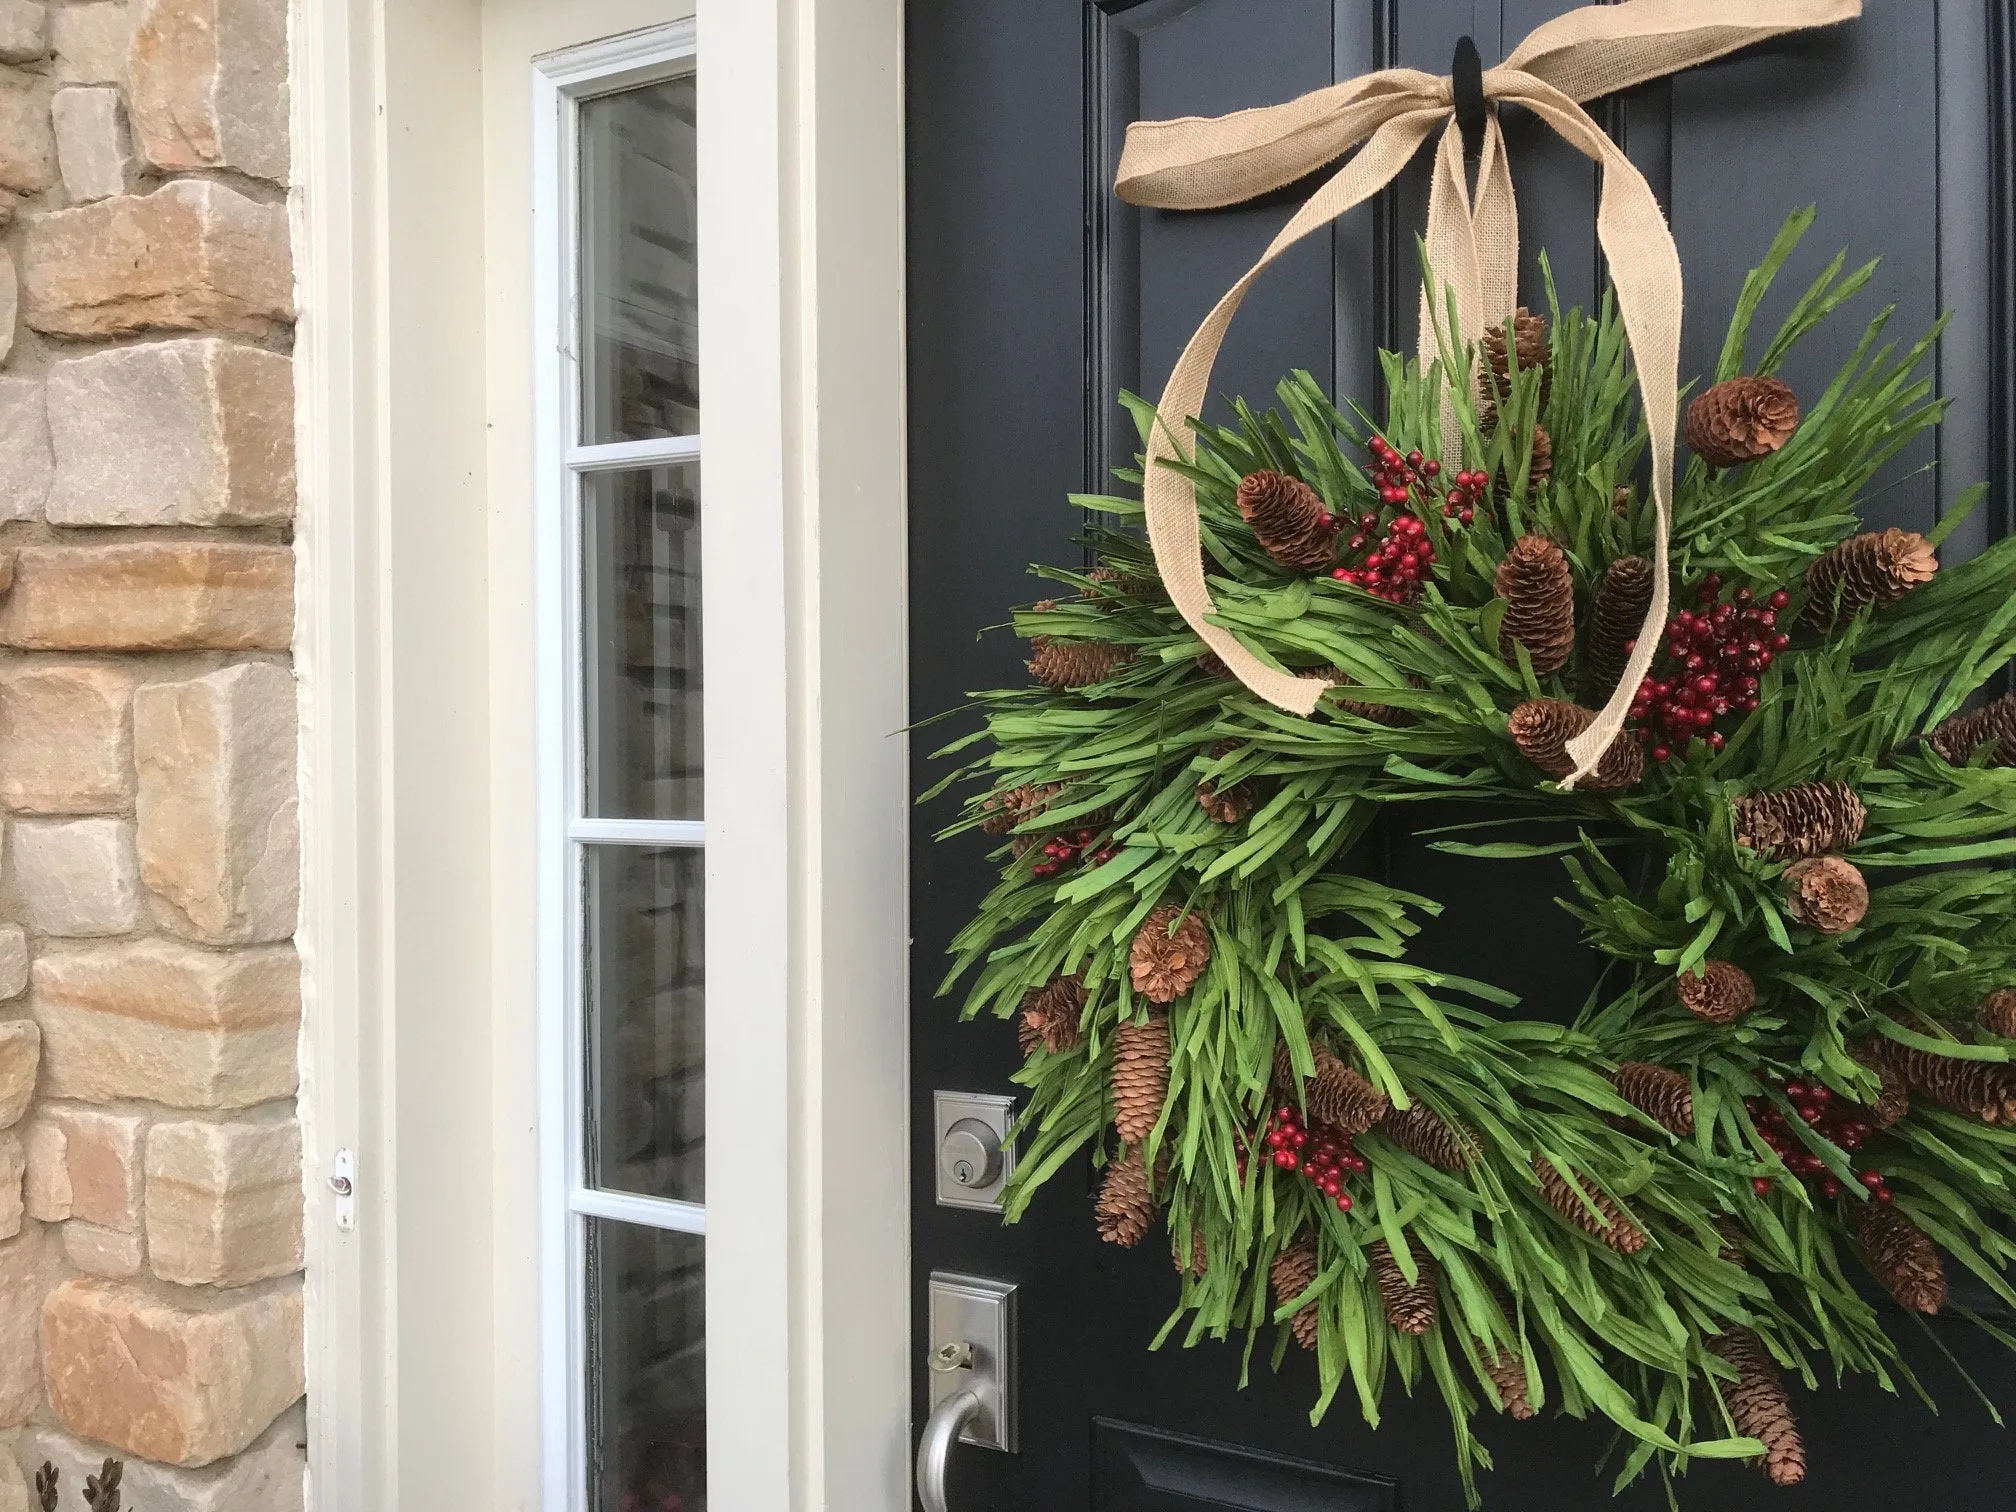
point(416, 236)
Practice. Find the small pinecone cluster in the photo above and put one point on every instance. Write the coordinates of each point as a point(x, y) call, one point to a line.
point(1958, 738)
point(1293, 1273)
point(1163, 965)
point(1721, 992)
point(1542, 728)
point(1429, 1137)
point(1741, 420)
point(1607, 1222)
point(1193, 1259)
point(1659, 1092)
point(1010, 810)
point(1902, 1256)
point(1622, 599)
point(1077, 664)
point(1759, 1405)
point(1125, 1210)
point(1983, 1089)
point(1893, 1097)
point(1288, 520)
point(1539, 594)
point(1050, 1014)
point(1866, 571)
point(1140, 1076)
point(1337, 677)
point(1225, 804)
point(1809, 819)
point(1515, 1388)
point(1523, 337)
point(1340, 1097)
point(1826, 894)
point(1997, 1013)
point(1410, 1305)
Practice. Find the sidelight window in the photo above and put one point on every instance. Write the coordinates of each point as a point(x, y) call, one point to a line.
point(625, 830)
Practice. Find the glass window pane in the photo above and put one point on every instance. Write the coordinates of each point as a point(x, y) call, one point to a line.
point(645, 991)
point(640, 361)
point(647, 1370)
point(640, 565)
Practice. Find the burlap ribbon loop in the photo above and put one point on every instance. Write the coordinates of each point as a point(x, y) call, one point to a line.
point(1473, 245)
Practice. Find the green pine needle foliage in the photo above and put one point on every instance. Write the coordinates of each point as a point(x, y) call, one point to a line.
point(1307, 950)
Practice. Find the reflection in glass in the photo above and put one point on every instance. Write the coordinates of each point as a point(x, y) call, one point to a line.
point(640, 567)
point(647, 1372)
point(640, 373)
point(646, 997)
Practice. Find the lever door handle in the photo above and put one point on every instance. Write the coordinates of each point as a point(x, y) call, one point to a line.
point(941, 1432)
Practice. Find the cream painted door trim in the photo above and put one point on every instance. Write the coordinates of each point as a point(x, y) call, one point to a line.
point(415, 648)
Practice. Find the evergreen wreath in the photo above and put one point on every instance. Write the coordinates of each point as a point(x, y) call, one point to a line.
point(1797, 1067)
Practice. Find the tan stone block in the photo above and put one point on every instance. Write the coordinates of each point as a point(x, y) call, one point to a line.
point(27, 143)
point(208, 81)
point(78, 878)
point(104, 1252)
point(20, 1058)
point(103, 1155)
point(27, 462)
point(24, 31)
point(224, 1202)
point(24, 1280)
point(66, 743)
point(46, 1187)
point(90, 42)
point(150, 596)
point(13, 961)
point(13, 1181)
point(192, 256)
point(193, 432)
point(182, 1384)
point(165, 1022)
point(93, 153)
point(10, 303)
point(265, 1478)
point(219, 838)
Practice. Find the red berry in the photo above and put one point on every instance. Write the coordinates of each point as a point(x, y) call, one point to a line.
point(1466, 516)
point(1431, 468)
point(1760, 1185)
point(1883, 1195)
point(1830, 1188)
point(1872, 1179)
point(1343, 1202)
point(1661, 754)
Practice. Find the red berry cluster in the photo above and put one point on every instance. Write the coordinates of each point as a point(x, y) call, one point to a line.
point(1846, 1125)
point(1324, 1156)
point(1714, 654)
point(1392, 569)
point(1059, 851)
point(1464, 500)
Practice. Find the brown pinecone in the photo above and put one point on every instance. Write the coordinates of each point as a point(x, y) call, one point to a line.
point(1336, 677)
point(1508, 1374)
point(1759, 1405)
point(1875, 568)
point(1165, 966)
point(1620, 500)
point(1720, 992)
point(1542, 728)
point(1225, 805)
point(1809, 819)
point(1541, 467)
point(1958, 738)
point(1341, 1097)
point(1125, 1210)
point(1997, 1013)
point(1985, 1089)
point(1294, 1272)
point(1902, 1256)
point(1539, 595)
point(1196, 1261)
point(1211, 664)
point(1428, 1136)
point(1612, 1226)
point(1826, 894)
point(1409, 1308)
point(1005, 811)
point(1077, 664)
point(1741, 420)
point(1893, 1097)
point(1289, 520)
point(1140, 1076)
point(1614, 622)
point(1662, 1094)
point(1731, 1248)
point(1528, 344)
point(1050, 1015)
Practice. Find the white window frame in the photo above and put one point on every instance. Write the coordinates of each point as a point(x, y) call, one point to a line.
point(562, 84)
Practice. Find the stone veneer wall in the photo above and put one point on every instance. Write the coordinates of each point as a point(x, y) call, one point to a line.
point(150, 1160)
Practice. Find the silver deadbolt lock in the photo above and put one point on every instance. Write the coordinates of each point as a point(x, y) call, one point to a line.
point(975, 1156)
point(971, 1154)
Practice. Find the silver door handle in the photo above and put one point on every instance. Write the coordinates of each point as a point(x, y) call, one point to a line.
point(941, 1432)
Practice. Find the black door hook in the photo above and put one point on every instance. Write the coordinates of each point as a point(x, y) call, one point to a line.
point(1466, 73)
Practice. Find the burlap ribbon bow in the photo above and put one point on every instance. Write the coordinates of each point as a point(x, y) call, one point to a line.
point(1197, 163)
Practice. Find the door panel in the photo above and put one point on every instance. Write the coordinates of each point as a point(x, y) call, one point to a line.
point(1034, 296)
